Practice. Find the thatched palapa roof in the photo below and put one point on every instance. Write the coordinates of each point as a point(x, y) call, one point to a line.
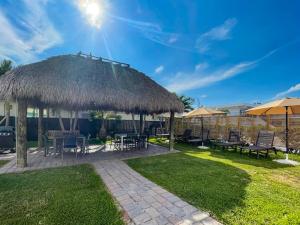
point(77, 82)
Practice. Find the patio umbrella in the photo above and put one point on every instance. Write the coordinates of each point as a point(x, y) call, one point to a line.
point(287, 106)
point(201, 113)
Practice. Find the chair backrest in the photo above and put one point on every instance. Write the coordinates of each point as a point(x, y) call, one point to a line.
point(234, 136)
point(205, 134)
point(70, 141)
point(187, 133)
point(265, 139)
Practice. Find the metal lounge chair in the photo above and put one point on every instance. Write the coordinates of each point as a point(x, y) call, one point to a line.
point(197, 140)
point(187, 134)
point(234, 140)
point(264, 143)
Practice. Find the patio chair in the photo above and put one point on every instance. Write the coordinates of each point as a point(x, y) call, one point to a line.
point(197, 140)
point(162, 133)
point(185, 136)
point(116, 142)
point(7, 141)
point(264, 143)
point(234, 140)
point(142, 141)
point(129, 143)
point(81, 143)
point(69, 142)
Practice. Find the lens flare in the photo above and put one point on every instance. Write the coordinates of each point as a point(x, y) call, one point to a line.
point(93, 11)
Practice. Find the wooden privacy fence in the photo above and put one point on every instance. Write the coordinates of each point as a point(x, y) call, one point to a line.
point(249, 127)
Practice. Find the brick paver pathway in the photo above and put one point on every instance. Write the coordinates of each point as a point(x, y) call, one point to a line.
point(144, 201)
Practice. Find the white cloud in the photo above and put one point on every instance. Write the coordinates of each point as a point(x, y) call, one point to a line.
point(201, 78)
point(201, 66)
point(159, 69)
point(203, 96)
point(292, 89)
point(37, 35)
point(181, 41)
point(172, 39)
point(218, 33)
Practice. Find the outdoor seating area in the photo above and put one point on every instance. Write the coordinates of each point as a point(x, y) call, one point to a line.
point(149, 112)
point(57, 143)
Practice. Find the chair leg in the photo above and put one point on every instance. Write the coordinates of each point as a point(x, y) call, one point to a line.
point(267, 153)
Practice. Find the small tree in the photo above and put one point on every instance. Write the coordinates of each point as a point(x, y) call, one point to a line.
point(187, 102)
point(103, 116)
point(6, 65)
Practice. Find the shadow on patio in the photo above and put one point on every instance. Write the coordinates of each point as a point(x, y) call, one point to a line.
point(37, 160)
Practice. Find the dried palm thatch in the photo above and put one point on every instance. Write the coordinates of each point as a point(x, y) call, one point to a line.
point(81, 83)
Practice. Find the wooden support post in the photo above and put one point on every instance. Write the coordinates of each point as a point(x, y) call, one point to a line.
point(171, 139)
point(141, 124)
point(7, 113)
point(133, 121)
point(40, 127)
point(61, 123)
point(75, 121)
point(21, 134)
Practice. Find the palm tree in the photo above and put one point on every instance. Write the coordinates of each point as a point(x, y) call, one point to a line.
point(103, 116)
point(187, 102)
point(6, 65)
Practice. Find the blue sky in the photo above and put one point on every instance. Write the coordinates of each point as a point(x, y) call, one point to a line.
point(219, 52)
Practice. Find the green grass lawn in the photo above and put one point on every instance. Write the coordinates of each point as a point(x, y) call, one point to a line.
point(66, 195)
point(234, 188)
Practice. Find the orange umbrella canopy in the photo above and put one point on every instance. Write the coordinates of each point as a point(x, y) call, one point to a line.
point(202, 112)
point(277, 107)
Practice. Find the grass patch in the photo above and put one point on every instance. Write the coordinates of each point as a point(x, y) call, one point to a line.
point(66, 195)
point(234, 188)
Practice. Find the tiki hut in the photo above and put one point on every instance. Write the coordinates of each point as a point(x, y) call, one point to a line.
point(80, 82)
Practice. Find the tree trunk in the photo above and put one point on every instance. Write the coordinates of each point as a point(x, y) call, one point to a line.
point(71, 121)
point(171, 139)
point(21, 143)
point(40, 127)
point(75, 121)
point(102, 132)
point(141, 124)
point(7, 113)
point(134, 125)
point(61, 123)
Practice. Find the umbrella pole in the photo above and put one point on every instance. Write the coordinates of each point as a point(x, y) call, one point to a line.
point(286, 133)
point(202, 130)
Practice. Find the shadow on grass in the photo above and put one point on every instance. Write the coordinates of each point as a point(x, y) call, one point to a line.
point(212, 186)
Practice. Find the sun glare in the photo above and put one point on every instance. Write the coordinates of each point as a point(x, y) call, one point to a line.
point(92, 11)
